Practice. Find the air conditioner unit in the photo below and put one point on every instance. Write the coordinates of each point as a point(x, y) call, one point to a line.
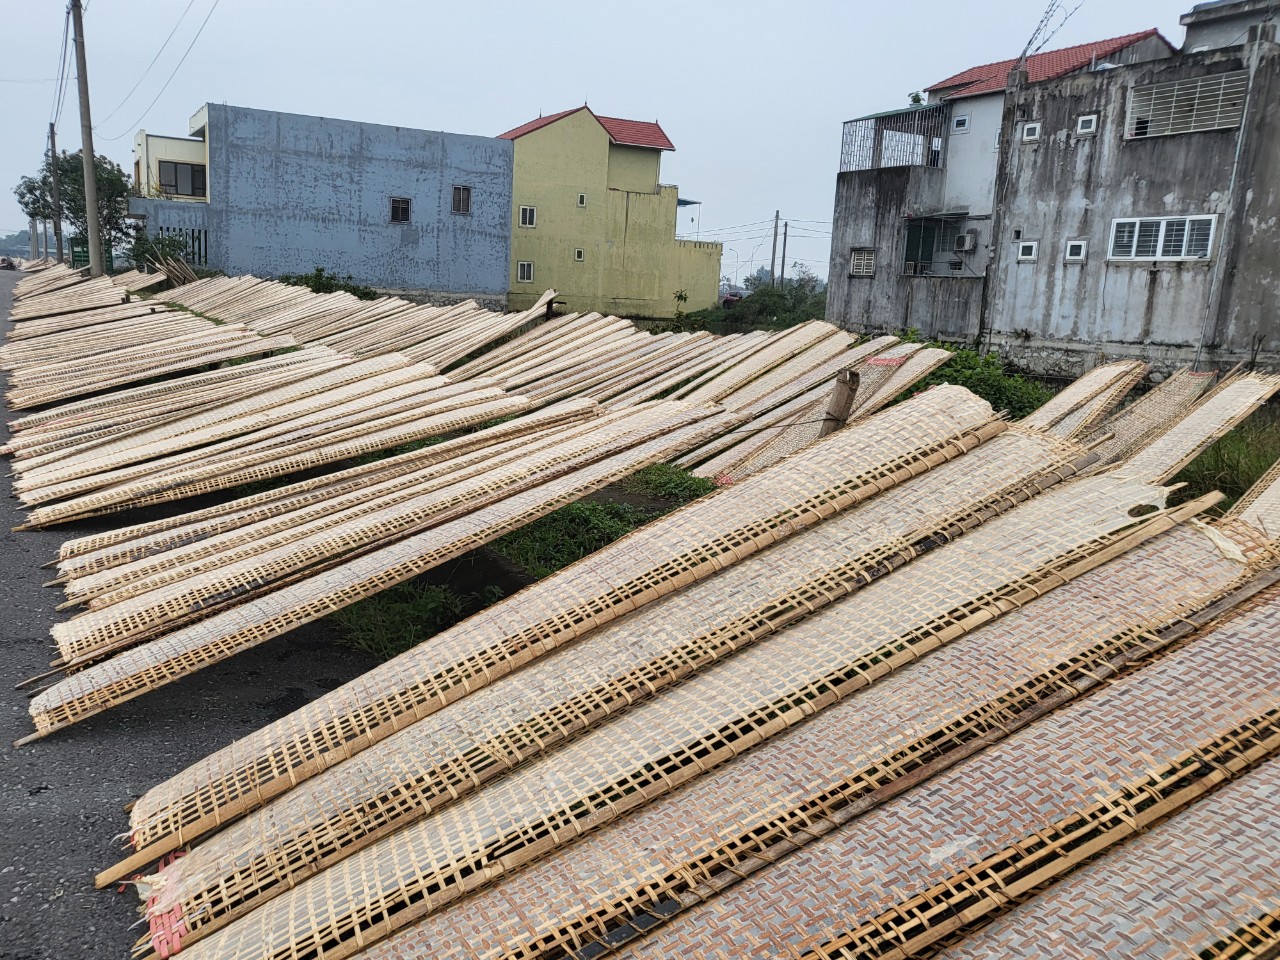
point(965, 242)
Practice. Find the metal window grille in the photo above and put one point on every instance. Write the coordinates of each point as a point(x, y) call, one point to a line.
point(528, 216)
point(1186, 106)
point(908, 138)
point(1162, 238)
point(400, 210)
point(862, 262)
point(196, 240)
point(462, 200)
point(524, 271)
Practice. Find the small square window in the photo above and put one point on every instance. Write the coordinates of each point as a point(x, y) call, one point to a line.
point(862, 262)
point(960, 124)
point(1030, 132)
point(582, 199)
point(524, 271)
point(400, 210)
point(956, 266)
point(1017, 234)
point(1028, 251)
point(1087, 125)
point(462, 201)
point(1076, 250)
point(578, 255)
point(528, 216)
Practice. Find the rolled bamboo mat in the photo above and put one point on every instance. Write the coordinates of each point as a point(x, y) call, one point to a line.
point(663, 743)
point(1214, 894)
point(1117, 437)
point(571, 689)
point(101, 551)
point(1082, 390)
point(1184, 440)
point(668, 554)
point(855, 755)
point(1026, 810)
point(158, 662)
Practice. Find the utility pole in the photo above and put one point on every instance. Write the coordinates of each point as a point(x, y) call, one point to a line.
point(773, 254)
point(86, 148)
point(782, 281)
point(53, 176)
point(31, 235)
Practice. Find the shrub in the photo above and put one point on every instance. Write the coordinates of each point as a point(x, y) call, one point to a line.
point(985, 376)
point(321, 281)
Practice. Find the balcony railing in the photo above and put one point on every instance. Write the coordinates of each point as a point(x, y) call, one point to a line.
point(901, 138)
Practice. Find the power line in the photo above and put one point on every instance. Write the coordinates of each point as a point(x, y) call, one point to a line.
point(62, 69)
point(129, 129)
point(28, 80)
point(186, 10)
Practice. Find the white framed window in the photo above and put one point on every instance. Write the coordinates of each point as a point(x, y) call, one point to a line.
point(1031, 132)
point(524, 271)
point(1076, 251)
point(582, 199)
point(1162, 238)
point(862, 262)
point(1028, 251)
point(462, 200)
point(528, 216)
point(960, 124)
point(578, 255)
point(1187, 106)
point(401, 209)
point(1087, 125)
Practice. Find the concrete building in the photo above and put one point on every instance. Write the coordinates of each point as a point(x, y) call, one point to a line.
point(590, 218)
point(1116, 198)
point(255, 191)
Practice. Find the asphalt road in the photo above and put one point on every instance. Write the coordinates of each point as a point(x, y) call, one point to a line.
point(62, 798)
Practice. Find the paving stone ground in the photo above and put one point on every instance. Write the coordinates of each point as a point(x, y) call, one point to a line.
point(62, 798)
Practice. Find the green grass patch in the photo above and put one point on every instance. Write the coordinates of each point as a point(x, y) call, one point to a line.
point(569, 534)
point(401, 617)
point(1236, 462)
point(666, 482)
point(985, 375)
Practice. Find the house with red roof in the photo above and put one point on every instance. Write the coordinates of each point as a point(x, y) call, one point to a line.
point(591, 219)
point(1074, 201)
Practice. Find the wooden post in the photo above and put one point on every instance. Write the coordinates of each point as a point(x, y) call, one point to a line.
point(841, 403)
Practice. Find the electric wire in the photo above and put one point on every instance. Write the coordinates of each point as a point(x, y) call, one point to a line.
point(163, 47)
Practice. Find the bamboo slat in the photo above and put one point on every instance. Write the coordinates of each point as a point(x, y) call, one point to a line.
point(1150, 414)
point(1080, 391)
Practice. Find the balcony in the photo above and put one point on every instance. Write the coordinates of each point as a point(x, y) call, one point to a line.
point(900, 138)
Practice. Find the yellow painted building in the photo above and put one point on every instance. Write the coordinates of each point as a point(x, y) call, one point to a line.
point(175, 168)
point(590, 219)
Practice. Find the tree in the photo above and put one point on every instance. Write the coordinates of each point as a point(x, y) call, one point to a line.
point(759, 280)
point(34, 196)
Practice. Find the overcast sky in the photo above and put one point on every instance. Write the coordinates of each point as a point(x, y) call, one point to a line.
point(751, 93)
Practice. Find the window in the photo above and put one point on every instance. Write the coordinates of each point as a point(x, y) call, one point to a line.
point(1162, 238)
point(862, 262)
point(1087, 125)
point(524, 271)
point(1186, 106)
point(1028, 251)
point(182, 179)
point(960, 124)
point(462, 201)
point(582, 199)
point(578, 255)
point(1076, 250)
point(528, 216)
point(400, 208)
point(1030, 132)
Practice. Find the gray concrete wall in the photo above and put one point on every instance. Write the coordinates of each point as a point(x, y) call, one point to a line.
point(972, 157)
point(1066, 187)
point(288, 193)
point(1214, 25)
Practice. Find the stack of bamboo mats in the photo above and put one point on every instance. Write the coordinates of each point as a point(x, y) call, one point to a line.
point(504, 777)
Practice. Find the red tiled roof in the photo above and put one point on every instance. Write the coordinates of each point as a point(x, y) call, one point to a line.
point(992, 77)
point(636, 133)
point(631, 133)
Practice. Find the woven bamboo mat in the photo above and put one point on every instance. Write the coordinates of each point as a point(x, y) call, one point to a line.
point(1216, 879)
point(158, 662)
point(1150, 414)
point(1088, 414)
point(668, 554)
point(1079, 392)
point(1185, 439)
point(737, 820)
point(1100, 769)
point(1260, 506)
point(708, 719)
point(571, 689)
